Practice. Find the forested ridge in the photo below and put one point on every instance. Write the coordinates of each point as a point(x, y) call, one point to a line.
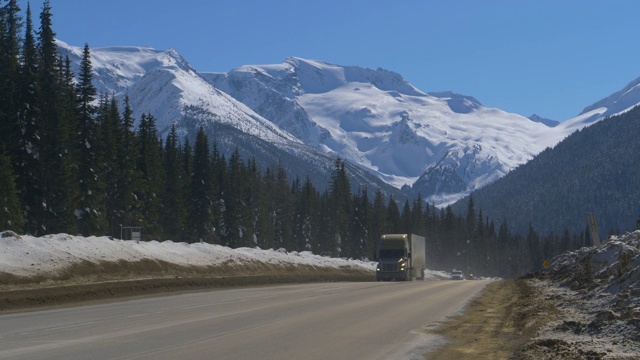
point(594, 170)
point(71, 161)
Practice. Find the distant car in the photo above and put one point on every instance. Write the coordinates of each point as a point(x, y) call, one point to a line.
point(457, 275)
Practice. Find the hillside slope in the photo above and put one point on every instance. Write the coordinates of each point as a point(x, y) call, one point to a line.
point(595, 170)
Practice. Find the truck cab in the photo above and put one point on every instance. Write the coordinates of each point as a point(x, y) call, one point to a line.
point(400, 257)
point(392, 264)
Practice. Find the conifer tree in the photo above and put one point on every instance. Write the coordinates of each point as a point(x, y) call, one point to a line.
point(417, 217)
point(326, 233)
point(360, 243)
point(150, 165)
point(10, 25)
point(173, 216)
point(92, 219)
point(10, 212)
point(5, 88)
point(186, 155)
point(282, 211)
point(64, 192)
point(378, 220)
point(471, 216)
point(107, 144)
point(340, 192)
point(253, 200)
point(234, 205)
point(129, 184)
point(393, 216)
point(266, 227)
point(199, 201)
point(405, 218)
point(50, 148)
point(307, 216)
point(219, 185)
point(24, 150)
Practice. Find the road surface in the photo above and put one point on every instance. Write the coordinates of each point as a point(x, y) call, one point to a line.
point(366, 320)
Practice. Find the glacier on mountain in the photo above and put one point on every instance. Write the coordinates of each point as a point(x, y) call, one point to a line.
point(442, 145)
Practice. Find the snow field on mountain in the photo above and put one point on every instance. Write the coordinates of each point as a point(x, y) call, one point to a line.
point(372, 118)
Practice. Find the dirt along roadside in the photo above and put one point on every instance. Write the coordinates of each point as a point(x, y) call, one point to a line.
point(496, 324)
point(89, 282)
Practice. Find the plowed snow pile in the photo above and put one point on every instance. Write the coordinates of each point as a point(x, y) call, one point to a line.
point(66, 258)
point(597, 293)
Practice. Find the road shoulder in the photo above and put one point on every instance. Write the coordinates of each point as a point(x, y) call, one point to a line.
point(506, 315)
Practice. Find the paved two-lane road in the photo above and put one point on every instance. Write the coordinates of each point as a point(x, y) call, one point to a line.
point(310, 321)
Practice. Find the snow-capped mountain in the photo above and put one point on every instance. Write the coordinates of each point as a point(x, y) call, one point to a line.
point(441, 144)
point(163, 84)
point(303, 113)
point(616, 103)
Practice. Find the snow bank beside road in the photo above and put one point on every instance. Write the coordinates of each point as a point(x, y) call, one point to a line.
point(48, 256)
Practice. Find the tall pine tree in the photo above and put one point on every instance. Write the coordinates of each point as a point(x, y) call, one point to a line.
point(340, 192)
point(25, 151)
point(153, 178)
point(200, 202)
point(51, 148)
point(90, 212)
point(129, 183)
point(10, 25)
point(173, 214)
point(10, 213)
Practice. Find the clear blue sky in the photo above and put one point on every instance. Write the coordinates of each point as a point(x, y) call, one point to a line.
point(550, 57)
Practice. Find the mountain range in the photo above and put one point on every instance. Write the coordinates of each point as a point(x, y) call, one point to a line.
point(302, 114)
point(163, 84)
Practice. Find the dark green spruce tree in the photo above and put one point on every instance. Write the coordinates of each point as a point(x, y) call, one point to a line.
point(378, 222)
point(393, 219)
point(49, 204)
point(360, 225)
point(282, 215)
point(235, 207)
point(66, 193)
point(253, 199)
point(10, 212)
point(174, 212)
point(153, 177)
point(306, 211)
point(340, 208)
point(129, 183)
point(199, 199)
point(10, 27)
point(24, 149)
point(108, 141)
point(91, 182)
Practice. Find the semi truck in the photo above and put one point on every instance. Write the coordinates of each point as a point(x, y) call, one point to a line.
point(400, 257)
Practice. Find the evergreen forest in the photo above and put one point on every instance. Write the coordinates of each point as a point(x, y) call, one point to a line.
point(72, 161)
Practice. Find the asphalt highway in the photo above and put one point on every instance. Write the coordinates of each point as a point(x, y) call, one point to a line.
point(365, 320)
